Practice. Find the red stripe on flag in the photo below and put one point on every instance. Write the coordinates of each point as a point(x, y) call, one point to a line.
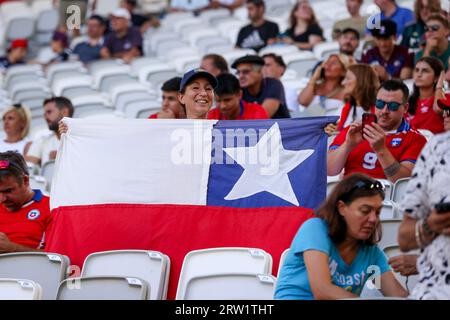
point(174, 230)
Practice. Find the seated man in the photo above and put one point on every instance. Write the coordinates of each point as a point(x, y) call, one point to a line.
point(384, 150)
point(16, 54)
point(124, 41)
point(348, 40)
point(260, 32)
point(44, 149)
point(171, 108)
point(268, 92)
point(137, 20)
point(355, 21)
point(230, 105)
point(388, 59)
point(89, 50)
point(24, 213)
point(390, 10)
point(214, 64)
point(437, 30)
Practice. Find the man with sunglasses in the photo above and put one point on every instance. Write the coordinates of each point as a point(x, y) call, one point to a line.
point(437, 45)
point(268, 92)
point(384, 150)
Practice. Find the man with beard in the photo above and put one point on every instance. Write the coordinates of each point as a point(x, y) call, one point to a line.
point(44, 149)
point(348, 41)
point(386, 149)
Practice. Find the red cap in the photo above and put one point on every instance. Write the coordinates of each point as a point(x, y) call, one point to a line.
point(19, 43)
point(444, 103)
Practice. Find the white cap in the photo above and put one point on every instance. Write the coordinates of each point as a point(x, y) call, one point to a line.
point(121, 13)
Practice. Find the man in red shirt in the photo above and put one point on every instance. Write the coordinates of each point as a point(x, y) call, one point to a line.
point(171, 108)
point(230, 105)
point(24, 213)
point(384, 150)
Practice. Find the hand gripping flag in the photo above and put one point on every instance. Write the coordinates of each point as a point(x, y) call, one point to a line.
point(180, 185)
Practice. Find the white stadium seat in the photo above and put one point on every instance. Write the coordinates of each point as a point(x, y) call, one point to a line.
point(399, 189)
point(103, 288)
point(151, 266)
point(19, 289)
point(389, 233)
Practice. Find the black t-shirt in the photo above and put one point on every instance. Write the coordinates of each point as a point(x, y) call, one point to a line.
point(256, 38)
point(304, 37)
point(270, 89)
point(138, 20)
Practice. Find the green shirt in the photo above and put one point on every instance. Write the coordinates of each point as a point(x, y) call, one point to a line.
point(413, 36)
point(443, 57)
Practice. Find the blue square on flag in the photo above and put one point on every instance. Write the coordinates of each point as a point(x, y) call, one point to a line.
point(269, 163)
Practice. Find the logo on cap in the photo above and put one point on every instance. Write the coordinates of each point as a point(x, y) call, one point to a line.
point(33, 214)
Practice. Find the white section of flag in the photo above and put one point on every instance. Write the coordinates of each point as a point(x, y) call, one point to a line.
point(132, 161)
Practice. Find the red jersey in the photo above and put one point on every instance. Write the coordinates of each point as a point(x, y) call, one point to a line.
point(27, 226)
point(249, 111)
point(405, 145)
point(426, 117)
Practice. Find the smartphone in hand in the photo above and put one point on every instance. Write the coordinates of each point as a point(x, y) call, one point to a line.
point(367, 119)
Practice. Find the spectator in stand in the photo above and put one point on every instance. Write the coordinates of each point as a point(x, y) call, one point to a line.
point(268, 92)
point(16, 126)
point(388, 59)
point(360, 86)
point(171, 108)
point(348, 40)
point(422, 226)
point(260, 32)
point(230, 105)
point(16, 54)
point(125, 41)
point(274, 67)
point(89, 50)
point(24, 213)
point(137, 20)
point(413, 36)
point(424, 112)
point(391, 11)
point(196, 93)
point(333, 254)
point(304, 30)
point(387, 149)
point(437, 45)
point(59, 46)
point(214, 64)
point(195, 6)
point(356, 21)
point(324, 88)
point(44, 149)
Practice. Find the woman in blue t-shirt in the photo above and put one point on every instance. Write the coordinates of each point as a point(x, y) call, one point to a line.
point(333, 255)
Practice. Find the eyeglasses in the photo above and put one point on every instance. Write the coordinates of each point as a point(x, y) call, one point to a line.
point(243, 71)
point(433, 27)
point(367, 185)
point(392, 106)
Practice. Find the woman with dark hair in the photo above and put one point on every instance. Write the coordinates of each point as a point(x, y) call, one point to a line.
point(424, 113)
point(360, 89)
point(334, 254)
point(304, 31)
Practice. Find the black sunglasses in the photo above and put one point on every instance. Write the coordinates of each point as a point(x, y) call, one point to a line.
point(446, 112)
point(392, 106)
point(433, 27)
point(366, 185)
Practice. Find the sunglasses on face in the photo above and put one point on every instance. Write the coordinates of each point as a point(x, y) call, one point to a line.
point(433, 27)
point(392, 106)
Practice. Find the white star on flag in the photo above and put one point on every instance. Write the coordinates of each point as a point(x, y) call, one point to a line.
point(270, 175)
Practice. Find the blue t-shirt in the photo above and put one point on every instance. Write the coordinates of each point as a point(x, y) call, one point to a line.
point(401, 16)
point(293, 280)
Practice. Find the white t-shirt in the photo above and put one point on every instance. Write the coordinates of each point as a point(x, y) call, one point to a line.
point(42, 147)
point(15, 146)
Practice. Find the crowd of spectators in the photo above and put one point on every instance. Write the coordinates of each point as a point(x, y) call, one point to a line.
point(407, 46)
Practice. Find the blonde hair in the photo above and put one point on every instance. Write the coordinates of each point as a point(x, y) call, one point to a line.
point(24, 114)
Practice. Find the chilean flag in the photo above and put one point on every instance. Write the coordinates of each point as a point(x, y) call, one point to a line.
point(180, 185)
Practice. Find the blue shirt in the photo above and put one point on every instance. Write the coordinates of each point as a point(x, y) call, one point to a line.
point(293, 282)
point(87, 52)
point(401, 16)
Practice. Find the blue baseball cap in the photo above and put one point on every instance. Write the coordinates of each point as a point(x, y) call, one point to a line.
point(197, 73)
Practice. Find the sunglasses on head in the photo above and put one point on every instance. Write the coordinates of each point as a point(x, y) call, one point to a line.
point(433, 27)
point(366, 185)
point(392, 106)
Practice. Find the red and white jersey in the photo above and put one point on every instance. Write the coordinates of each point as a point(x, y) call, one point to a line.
point(27, 226)
point(405, 145)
